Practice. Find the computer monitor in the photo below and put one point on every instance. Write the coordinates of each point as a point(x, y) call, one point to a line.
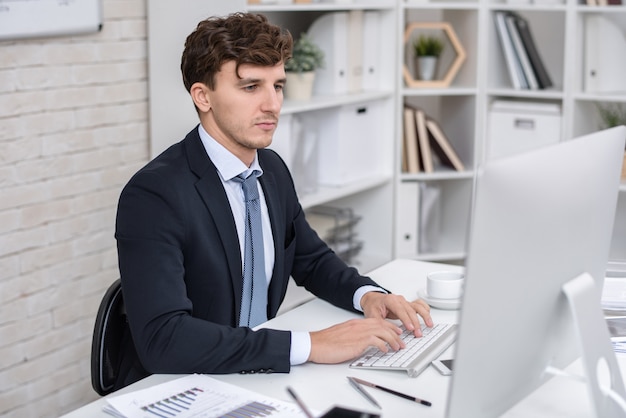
point(539, 220)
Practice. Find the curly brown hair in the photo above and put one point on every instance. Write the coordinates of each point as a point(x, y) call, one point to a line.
point(245, 38)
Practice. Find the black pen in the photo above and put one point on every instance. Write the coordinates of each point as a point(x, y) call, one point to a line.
point(393, 392)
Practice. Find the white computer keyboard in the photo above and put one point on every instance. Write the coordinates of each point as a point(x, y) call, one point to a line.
point(417, 355)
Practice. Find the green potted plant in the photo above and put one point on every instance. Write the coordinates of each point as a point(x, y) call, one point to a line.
point(613, 114)
point(426, 50)
point(300, 68)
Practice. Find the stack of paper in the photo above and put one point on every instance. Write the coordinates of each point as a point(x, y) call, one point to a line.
point(198, 396)
point(614, 304)
point(617, 330)
point(614, 294)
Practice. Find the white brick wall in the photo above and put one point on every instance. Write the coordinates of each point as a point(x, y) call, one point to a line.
point(73, 129)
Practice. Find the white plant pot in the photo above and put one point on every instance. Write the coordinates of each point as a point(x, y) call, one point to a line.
point(426, 67)
point(299, 85)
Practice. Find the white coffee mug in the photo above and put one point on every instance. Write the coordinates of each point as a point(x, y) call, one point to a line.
point(445, 284)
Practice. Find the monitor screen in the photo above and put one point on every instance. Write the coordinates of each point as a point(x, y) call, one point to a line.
point(540, 219)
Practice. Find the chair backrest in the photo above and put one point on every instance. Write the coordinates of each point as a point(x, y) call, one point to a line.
point(107, 335)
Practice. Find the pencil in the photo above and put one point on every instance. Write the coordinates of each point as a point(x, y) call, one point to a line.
point(393, 392)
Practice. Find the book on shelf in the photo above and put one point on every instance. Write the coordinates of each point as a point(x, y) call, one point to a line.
point(524, 63)
point(410, 141)
point(520, 51)
point(442, 147)
point(512, 63)
point(404, 167)
point(425, 144)
point(423, 141)
point(540, 71)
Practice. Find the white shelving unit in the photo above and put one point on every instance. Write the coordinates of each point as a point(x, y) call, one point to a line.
point(443, 197)
point(463, 108)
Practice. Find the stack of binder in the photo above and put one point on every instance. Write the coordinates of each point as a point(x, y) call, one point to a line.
point(419, 214)
point(526, 68)
point(605, 60)
point(351, 44)
point(336, 226)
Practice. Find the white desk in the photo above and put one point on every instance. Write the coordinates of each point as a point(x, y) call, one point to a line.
point(321, 386)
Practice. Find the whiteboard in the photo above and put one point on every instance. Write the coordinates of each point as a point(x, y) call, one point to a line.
point(37, 18)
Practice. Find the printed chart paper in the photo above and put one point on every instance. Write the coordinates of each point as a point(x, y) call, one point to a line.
point(198, 396)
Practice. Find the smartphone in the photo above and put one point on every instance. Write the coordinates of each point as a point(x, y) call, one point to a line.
point(339, 412)
point(443, 366)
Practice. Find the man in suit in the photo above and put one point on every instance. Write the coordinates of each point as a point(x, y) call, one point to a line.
point(180, 229)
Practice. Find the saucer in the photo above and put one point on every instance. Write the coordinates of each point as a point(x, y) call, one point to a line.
point(450, 304)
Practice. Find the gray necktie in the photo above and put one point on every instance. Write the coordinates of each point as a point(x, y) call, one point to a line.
point(254, 295)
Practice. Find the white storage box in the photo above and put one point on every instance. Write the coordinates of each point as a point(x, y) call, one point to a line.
point(516, 126)
point(349, 140)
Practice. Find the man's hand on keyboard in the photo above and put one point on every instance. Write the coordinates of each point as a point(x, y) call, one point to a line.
point(382, 305)
point(350, 339)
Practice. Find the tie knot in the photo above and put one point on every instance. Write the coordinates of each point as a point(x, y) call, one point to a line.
point(248, 184)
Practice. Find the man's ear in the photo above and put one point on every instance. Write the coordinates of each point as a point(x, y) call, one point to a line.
point(200, 96)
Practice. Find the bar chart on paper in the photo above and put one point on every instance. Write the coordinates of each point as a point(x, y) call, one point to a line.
point(198, 396)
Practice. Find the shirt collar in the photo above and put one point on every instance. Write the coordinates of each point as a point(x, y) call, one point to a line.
point(228, 166)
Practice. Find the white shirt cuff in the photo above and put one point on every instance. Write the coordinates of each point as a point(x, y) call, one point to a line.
point(301, 340)
point(356, 299)
point(300, 347)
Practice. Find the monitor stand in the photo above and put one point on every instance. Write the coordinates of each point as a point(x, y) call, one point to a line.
point(595, 343)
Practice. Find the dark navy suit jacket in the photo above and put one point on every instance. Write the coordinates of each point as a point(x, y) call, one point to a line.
point(180, 266)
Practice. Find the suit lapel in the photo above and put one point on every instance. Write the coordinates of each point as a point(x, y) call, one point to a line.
point(275, 209)
point(210, 189)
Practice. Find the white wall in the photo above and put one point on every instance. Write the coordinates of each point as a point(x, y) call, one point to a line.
point(73, 128)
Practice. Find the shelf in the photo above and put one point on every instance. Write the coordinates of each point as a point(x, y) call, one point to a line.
point(601, 97)
point(448, 91)
point(328, 194)
point(549, 94)
point(441, 5)
point(321, 7)
point(438, 175)
point(325, 102)
point(581, 8)
point(442, 256)
point(528, 7)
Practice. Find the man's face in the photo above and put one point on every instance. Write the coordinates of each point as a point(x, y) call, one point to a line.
point(243, 111)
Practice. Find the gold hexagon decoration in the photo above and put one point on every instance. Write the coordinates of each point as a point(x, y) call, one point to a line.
point(454, 67)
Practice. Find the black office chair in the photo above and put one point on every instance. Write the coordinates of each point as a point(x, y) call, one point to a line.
point(107, 336)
